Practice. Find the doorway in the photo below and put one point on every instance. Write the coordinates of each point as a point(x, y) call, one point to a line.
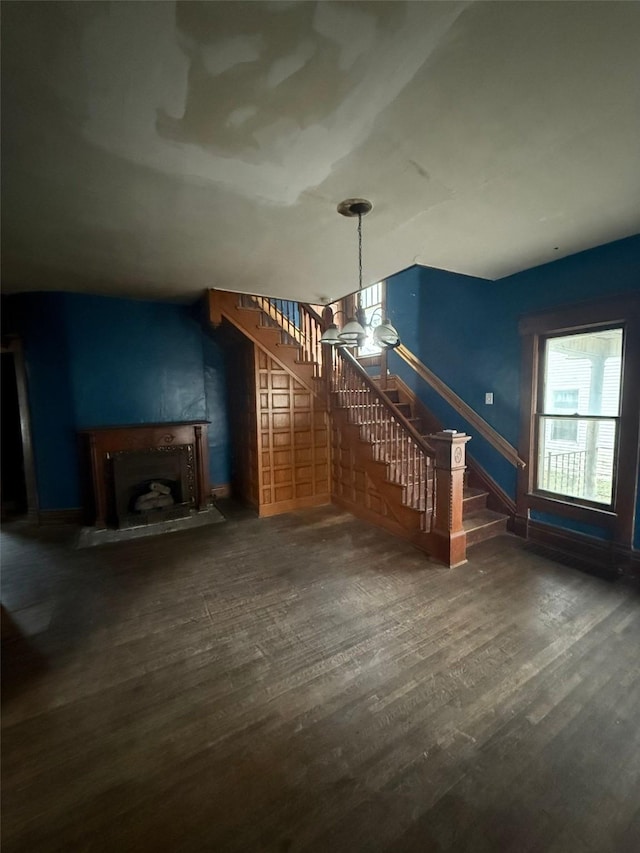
point(17, 477)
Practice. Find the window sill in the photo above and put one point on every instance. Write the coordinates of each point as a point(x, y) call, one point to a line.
point(604, 517)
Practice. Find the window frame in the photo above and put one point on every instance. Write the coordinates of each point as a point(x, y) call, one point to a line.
point(619, 516)
point(541, 414)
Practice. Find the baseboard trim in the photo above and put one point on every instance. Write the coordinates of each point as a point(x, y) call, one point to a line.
point(220, 490)
point(594, 554)
point(60, 516)
point(290, 506)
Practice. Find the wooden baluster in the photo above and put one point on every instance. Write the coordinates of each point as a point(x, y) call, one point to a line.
point(305, 336)
point(413, 472)
point(414, 476)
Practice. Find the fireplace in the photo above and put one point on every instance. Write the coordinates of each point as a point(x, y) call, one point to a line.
point(145, 473)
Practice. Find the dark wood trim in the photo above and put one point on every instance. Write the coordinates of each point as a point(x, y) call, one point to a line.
point(220, 490)
point(586, 550)
point(621, 310)
point(528, 391)
point(16, 348)
point(589, 515)
point(569, 318)
point(60, 516)
point(202, 465)
point(97, 445)
point(629, 435)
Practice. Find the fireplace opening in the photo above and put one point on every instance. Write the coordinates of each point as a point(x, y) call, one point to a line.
point(152, 485)
point(154, 494)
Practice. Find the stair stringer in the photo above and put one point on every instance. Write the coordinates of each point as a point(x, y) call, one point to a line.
point(391, 513)
point(224, 305)
point(497, 499)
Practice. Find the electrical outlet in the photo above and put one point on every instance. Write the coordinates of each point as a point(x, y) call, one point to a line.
point(488, 398)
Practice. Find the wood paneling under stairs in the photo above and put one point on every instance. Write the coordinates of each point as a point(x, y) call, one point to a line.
point(306, 683)
point(352, 483)
point(277, 411)
point(293, 440)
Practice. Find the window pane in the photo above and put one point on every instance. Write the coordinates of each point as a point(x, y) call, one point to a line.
point(575, 457)
point(582, 373)
point(371, 301)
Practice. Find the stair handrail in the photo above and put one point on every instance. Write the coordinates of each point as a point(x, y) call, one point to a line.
point(419, 440)
point(306, 332)
point(483, 428)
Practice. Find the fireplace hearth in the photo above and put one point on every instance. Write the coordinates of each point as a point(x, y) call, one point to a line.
point(144, 474)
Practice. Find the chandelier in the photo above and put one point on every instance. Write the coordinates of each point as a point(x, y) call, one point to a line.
point(354, 332)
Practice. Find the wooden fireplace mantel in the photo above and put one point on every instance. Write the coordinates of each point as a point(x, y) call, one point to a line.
point(100, 442)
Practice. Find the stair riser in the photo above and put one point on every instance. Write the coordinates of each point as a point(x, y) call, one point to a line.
point(487, 531)
point(473, 504)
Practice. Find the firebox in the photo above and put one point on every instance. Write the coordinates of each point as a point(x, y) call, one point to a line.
point(152, 485)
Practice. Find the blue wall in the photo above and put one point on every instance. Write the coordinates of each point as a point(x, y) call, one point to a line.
point(97, 361)
point(466, 330)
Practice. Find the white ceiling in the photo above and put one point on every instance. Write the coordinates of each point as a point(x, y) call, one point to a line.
point(156, 149)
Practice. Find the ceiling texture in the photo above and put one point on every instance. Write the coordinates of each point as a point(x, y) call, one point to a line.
point(156, 149)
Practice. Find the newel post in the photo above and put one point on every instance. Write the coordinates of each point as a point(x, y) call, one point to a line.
point(450, 539)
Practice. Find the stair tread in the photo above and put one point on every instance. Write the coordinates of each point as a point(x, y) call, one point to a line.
point(473, 492)
point(482, 518)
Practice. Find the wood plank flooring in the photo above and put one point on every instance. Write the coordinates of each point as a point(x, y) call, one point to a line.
point(310, 683)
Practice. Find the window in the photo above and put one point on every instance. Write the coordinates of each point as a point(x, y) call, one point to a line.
point(371, 301)
point(578, 414)
point(565, 430)
point(585, 485)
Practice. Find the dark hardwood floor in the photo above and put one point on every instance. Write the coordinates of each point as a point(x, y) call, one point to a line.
point(308, 682)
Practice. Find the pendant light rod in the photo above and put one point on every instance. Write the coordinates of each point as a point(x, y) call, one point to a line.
point(359, 207)
point(353, 334)
point(359, 255)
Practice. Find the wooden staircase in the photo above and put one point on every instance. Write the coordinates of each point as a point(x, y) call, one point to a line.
point(277, 402)
point(385, 466)
point(288, 331)
point(479, 521)
point(409, 483)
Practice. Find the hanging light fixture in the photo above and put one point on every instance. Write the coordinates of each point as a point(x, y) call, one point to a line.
point(354, 332)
